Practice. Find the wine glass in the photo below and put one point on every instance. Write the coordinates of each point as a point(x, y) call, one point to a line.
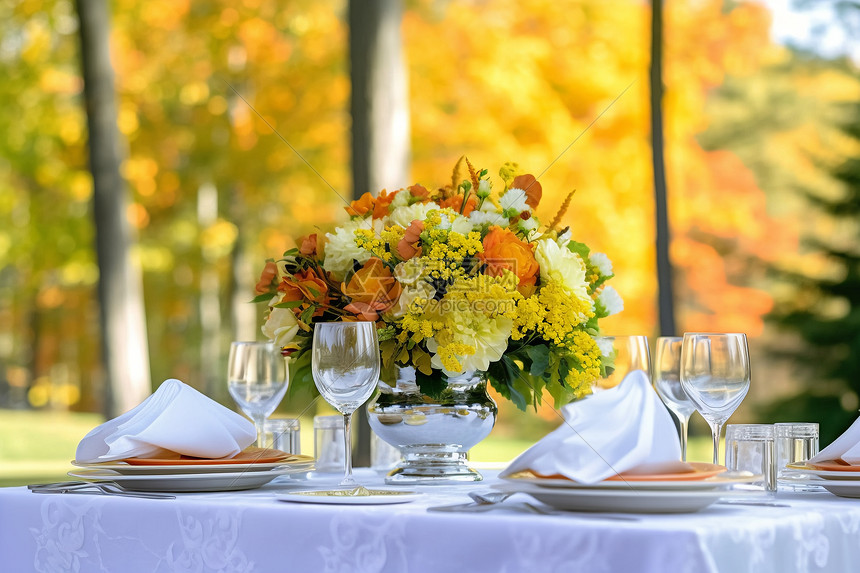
point(345, 367)
point(257, 380)
point(631, 353)
point(715, 374)
point(666, 377)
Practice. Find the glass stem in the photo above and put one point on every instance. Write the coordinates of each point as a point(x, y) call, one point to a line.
point(347, 451)
point(716, 430)
point(259, 422)
point(683, 423)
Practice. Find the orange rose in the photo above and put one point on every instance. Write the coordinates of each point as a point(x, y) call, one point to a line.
point(419, 192)
point(308, 245)
point(270, 271)
point(305, 285)
point(456, 202)
point(410, 245)
point(504, 250)
point(363, 205)
point(372, 290)
point(383, 200)
point(530, 185)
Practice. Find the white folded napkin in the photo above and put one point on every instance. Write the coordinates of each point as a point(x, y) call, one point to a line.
point(846, 447)
point(176, 419)
point(622, 429)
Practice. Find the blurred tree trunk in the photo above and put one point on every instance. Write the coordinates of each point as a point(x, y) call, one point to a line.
point(665, 298)
point(210, 299)
point(380, 118)
point(125, 353)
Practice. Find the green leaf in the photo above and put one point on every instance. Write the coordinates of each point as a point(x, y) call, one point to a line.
point(294, 252)
point(314, 292)
point(506, 372)
point(539, 355)
point(289, 304)
point(308, 314)
point(580, 249)
point(432, 385)
point(265, 297)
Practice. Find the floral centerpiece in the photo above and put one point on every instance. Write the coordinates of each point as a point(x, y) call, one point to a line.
point(458, 281)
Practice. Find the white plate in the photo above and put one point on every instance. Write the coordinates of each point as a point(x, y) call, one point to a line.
point(715, 482)
point(842, 488)
point(184, 482)
point(128, 469)
point(317, 496)
point(616, 500)
point(795, 470)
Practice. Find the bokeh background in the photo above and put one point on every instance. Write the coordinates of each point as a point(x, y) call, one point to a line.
point(762, 152)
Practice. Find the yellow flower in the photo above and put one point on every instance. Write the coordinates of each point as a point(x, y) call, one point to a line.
point(561, 266)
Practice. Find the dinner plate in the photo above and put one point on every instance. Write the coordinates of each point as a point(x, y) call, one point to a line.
point(824, 474)
point(620, 500)
point(247, 456)
point(706, 476)
point(338, 497)
point(306, 463)
point(842, 488)
point(232, 481)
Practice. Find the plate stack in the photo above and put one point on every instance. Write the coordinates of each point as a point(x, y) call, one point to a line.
point(249, 469)
point(632, 493)
point(837, 477)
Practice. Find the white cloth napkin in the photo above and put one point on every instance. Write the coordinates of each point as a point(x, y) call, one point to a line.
point(623, 429)
point(846, 447)
point(176, 418)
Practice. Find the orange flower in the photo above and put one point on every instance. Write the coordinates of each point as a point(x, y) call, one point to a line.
point(270, 271)
point(383, 200)
point(410, 245)
point(362, 206)
point(504, 250)
point(308, 245)
point(456, 202)
point(419, 192)
point(305, 285)
point(372, 290)
point(530, 185)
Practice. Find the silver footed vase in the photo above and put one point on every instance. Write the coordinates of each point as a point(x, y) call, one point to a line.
point(434, 435)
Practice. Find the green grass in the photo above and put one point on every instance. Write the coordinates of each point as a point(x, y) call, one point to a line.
point(36, 447)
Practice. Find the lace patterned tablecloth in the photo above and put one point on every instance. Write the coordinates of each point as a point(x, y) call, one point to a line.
point(252, 531)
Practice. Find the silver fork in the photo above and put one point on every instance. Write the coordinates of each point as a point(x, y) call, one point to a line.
point(98, 488)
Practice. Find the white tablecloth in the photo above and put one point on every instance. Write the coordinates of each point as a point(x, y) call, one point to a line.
point(252, 531)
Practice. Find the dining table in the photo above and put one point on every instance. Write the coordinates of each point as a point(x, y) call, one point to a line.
point(257, 531)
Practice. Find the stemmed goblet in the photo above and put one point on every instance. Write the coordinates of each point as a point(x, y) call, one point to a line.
point(257, 380)
point(715, 374)
point(631, 353)
point(345, 366)
point(666, 377)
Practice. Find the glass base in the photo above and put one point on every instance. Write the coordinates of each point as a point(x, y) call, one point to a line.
point(432, 465)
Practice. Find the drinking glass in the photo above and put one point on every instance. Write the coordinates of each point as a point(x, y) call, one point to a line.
point(750, 447)
point(345, 367)
point(666, 377)
point(796, 442)
point(257, 380)
point(715, 374)
point(631, 353)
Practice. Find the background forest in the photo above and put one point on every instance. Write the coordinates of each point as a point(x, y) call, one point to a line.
point(762, 152)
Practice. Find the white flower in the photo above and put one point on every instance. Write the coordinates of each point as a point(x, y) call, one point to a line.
point(410, 293)
point(606, 345)
point(514, 201)
point(602, 262)
point(611, 300)
point(408, 272)
point(559, 265)
point(488, 218)
point(401, 199)
point(488, 336)
point(564, 238)
point(281, 326)
point(341, 250)
point(462, 225)
point(403, 216)
point(484, 188)
point(528, 226)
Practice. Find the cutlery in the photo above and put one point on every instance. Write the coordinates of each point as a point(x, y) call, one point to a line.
point(493, 500)
point(744, 502)
point(98, 488)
